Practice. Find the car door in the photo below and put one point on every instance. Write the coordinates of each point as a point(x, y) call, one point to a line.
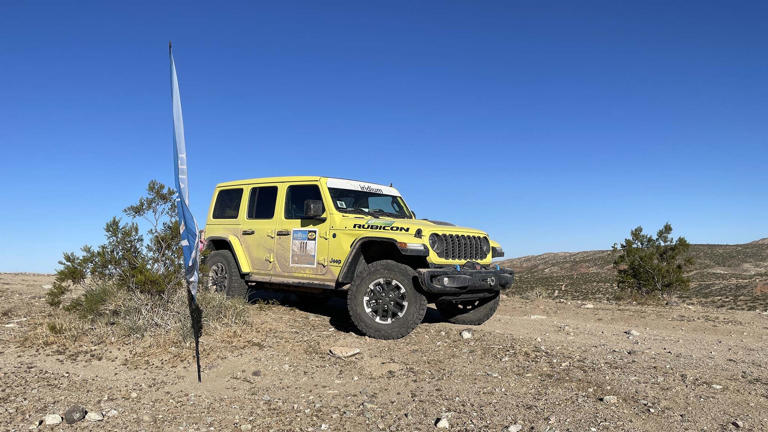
point(258, 227)
point(302, 244)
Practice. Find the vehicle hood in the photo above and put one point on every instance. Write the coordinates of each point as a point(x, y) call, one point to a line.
point(427, 226)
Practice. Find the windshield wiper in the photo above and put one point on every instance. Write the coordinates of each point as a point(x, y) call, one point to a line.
point(358, 211)
point(386, 213)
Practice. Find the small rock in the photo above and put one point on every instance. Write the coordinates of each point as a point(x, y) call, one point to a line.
point(588, 306)
point(344, 352)
point(47, 287)
point(537, 317)
point(146, 418)
point(632, 332)
point(466, 334)
point(610, 399)
point(134, 395)
point(442, 423)
point(112, 413)
point(74, 414)
point(246, 427)
point(717, 386)
point(52, 419)
point(94, 416)
point(513, 428)
point(324, 426)
point(738, 424)
point(256, 373)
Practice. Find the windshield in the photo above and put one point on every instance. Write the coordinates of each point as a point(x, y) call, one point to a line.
point(369, 203)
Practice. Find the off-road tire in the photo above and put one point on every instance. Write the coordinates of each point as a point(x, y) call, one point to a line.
point(393, 272)
point(235, 285)
point(468, 313)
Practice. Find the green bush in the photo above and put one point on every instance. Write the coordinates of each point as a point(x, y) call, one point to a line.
point(148, 261)
point(650, 265)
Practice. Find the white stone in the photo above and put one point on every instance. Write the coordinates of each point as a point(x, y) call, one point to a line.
point(537, 317)
point(588, 306)
point(466, 334)
point(610, 399)
point(52, 419)
point(717, 386)
point(344, 352)
point(442, 424)
point(514, 428)
point(112, 413)
point(632, 332)
point(94, 416)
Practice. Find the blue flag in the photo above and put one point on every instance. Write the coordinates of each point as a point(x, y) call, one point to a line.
point(187, 223)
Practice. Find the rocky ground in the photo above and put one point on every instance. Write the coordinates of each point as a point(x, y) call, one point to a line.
point(539, 365)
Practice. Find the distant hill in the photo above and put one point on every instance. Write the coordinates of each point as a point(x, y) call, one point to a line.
point(730, 276)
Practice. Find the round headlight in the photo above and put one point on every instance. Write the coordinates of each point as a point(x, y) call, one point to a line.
point(486, 245)
point(436, 243)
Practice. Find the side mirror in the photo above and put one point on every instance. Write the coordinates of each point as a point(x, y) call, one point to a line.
point(313, 209)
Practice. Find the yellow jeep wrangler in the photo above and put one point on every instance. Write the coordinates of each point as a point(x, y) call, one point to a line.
point(329, 234)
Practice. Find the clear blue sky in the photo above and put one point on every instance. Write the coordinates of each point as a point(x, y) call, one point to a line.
point(555, 126)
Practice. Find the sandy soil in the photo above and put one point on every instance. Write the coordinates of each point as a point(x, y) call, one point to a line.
point(544, 365)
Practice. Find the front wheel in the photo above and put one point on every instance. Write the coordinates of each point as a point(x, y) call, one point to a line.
point(383, 301)
point(468, 312)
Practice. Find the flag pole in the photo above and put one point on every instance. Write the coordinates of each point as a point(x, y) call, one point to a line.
point(187, 224)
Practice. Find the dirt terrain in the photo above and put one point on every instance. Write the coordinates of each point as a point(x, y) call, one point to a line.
point(542, 364)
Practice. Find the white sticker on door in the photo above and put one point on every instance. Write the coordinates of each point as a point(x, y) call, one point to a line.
point(304, 248)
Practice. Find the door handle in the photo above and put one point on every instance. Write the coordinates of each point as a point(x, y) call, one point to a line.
point(283, 233)
point(248, 232)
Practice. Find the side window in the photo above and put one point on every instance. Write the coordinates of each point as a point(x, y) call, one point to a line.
point(261, 202)
point(227, 204)
point(295, 197)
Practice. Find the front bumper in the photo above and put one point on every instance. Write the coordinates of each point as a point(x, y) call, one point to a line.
point(470, 281)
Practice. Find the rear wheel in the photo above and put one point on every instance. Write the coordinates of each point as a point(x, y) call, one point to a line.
point(224, 276)
point(468, 312)
point(383, 301)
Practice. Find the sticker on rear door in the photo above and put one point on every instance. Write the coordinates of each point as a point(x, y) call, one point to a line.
point(304, 248)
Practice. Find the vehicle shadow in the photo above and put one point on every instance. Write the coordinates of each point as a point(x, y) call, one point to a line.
point(333, 307)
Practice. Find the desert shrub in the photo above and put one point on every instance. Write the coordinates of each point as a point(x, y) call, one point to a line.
point(649, 265)
point(133, 283)
point(130, 259)
point(92, 303)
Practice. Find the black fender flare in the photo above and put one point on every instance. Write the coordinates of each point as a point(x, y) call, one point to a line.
point(347, 272)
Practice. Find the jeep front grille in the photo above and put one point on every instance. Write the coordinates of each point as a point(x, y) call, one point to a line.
point(461, 247)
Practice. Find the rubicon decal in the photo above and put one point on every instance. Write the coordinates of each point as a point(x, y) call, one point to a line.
point(381, 227)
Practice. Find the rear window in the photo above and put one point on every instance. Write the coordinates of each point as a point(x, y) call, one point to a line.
point(227, 204)
point(295, 197)
point(261, 202)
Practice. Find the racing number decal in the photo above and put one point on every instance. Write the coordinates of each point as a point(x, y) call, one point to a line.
point(304, 248)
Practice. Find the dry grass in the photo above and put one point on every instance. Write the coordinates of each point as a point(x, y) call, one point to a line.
point(102, 315)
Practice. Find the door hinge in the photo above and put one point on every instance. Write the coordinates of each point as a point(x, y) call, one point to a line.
point(324, 235)
point(271, 233)
point(269, 258)
point(324, 262)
